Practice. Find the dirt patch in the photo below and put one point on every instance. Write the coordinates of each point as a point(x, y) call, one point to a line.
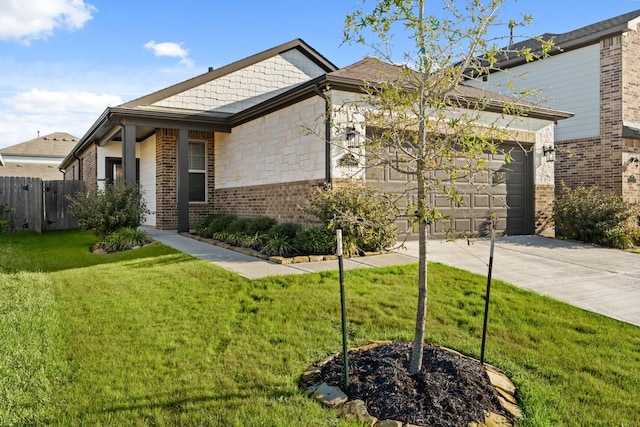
point(450, 390)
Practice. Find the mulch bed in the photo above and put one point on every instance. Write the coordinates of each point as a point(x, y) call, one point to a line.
point(450, 390)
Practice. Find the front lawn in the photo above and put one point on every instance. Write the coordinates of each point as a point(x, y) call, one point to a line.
point(155, 337)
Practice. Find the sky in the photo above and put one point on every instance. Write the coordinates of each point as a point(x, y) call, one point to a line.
point(62, 62)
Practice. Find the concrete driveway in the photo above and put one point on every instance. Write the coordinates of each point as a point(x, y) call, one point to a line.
point(601, 280)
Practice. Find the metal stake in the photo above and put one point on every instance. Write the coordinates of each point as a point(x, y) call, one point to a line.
point(344, 311)
point(486, 301)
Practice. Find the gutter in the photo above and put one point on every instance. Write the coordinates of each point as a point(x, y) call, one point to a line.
point(84, 141)
point(327, 133)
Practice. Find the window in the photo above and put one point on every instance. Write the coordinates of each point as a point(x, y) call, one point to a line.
point(113, 170)
point(197, 171)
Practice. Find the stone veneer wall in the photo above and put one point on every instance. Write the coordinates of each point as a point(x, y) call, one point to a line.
point(279, 201)
point(166, 179)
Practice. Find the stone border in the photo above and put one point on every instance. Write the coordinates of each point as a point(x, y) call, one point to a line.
point(356, 410)
point(275, 259)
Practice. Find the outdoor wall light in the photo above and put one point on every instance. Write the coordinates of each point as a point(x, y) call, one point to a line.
point(549, 153)
point(352, 137)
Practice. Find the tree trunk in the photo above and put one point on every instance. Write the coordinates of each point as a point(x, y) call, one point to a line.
point(421, 316)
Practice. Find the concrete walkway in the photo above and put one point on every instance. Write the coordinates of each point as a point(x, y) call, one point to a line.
point(601, 280)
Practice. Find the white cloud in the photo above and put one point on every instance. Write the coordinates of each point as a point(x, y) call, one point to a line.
point(171, 49)
point(26, 113)
point(37, 100)
point(27, 20)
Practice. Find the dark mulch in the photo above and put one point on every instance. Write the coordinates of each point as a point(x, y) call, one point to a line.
point(450, 390)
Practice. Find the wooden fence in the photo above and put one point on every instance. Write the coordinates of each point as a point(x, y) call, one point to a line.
point(38, 205)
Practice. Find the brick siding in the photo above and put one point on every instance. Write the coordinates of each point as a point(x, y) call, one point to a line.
point(166, 179)
point(598, 160)
point(543, 198)
point(89, 167)
point(279, 201)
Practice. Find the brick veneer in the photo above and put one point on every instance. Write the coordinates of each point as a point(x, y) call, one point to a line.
point(89, 167)
point(166, 179)
point(279, 201)
point(543, 198)
point(604, 160)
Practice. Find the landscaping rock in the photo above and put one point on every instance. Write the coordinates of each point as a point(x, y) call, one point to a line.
point(499, 379)
point(389, 423)
point(310, 374)
point(330, 396)
point(300, 259)
point(356, 410)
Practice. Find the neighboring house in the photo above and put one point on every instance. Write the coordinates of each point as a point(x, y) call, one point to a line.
point(39, 157)
point(244, 139)
point(595, 73)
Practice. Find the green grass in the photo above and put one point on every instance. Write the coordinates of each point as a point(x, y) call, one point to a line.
point(155, 337)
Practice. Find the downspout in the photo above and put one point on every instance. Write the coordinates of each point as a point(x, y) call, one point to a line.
point(327, 133)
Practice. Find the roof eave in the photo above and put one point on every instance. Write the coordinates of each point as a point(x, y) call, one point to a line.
point(573, 44)
point(299, 44)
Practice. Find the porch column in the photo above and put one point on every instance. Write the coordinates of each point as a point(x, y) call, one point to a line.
point(183, 180)
point(129, 153)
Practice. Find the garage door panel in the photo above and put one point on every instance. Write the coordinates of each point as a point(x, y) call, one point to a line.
point(511, 186)
point(481, 201)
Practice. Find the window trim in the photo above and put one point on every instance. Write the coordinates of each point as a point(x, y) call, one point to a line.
point(198, 171)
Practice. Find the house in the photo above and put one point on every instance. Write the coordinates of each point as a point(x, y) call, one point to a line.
point(39, 157)
point(251, 138)
point(594, 72)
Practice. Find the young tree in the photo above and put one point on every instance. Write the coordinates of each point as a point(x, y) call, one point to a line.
point(428, 125)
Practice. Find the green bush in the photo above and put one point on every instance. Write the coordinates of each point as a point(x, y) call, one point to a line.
point(104, 211)
point(202, 227)
point(286, 230)
point(365, 215)
point(592, 215)
point(220, 222)
point(277, 245)
point(260, 225)
point(124, 239)
point(317, 241)
point(5, 224)
point(239, 225)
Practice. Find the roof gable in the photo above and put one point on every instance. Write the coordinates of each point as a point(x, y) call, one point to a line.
point(244, 83)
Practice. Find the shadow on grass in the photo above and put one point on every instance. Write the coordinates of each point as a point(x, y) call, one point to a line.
point(66, 250)
point(173, 404)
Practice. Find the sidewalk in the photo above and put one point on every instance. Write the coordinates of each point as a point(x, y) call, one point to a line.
point(601, 280)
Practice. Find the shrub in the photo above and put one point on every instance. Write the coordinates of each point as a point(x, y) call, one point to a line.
point(5, 224)
point(260, 225)
point(220, 222)
point(317, 241)
point(104, 211)
point(277, 245)
point(202, 227)
point(287, 230)
point(365, 215)
point(591, 215)
point(124, 239)
point(238, 226)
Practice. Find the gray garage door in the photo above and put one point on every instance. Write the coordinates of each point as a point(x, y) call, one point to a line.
point(506, 195)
